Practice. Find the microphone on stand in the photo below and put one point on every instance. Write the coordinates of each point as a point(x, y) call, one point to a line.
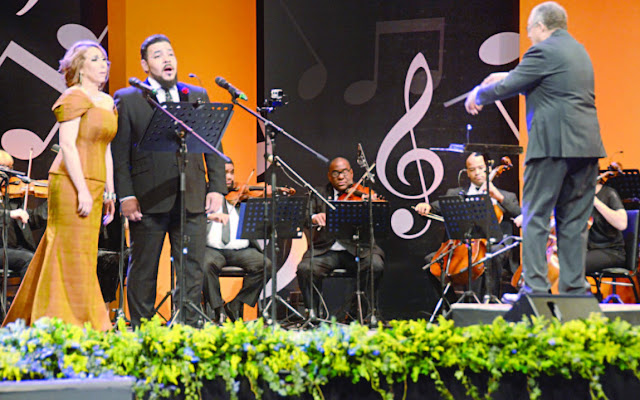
point(220, 81)
point(198, 78)
point(362, 162)
point(137, 83)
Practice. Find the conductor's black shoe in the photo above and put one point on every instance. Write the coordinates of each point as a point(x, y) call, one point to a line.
point(234, 309)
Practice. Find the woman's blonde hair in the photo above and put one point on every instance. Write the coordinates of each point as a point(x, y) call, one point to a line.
point(73, 61)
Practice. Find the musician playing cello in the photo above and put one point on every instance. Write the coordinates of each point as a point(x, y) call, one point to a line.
point(505, 201)
point(329, 253)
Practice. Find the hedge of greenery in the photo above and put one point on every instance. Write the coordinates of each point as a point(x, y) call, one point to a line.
point(165, 360)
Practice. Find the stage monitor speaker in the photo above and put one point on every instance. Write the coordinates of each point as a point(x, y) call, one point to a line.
point(564, 307)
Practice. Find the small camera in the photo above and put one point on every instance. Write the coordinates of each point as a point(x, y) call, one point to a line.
point(277, 94)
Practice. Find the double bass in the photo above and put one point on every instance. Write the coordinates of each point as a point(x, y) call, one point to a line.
point(453, 252)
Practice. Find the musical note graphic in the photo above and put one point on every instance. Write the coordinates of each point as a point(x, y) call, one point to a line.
point(402, 220)
point(314, 78)
point(18, 142)
point(27, 7)
point(362, 91)
point(499, 49)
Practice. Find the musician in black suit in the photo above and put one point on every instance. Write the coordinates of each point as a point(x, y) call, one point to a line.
point(147, 184)
point(329, 253)
point(556, 76)
point(21, 243)
point(224, 248)
point(506, 201)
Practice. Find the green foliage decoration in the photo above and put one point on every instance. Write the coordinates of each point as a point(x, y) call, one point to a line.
point(165, 361)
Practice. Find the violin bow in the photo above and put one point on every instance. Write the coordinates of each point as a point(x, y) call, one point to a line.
point(353, 188)
point(26, 194)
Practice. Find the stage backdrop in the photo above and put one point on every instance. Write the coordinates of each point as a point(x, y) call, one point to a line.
point(379, 73)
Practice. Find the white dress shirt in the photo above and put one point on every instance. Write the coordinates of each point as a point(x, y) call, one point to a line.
point(214, 232)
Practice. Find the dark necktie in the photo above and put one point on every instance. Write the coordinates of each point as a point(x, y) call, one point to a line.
point(168, 97)
point(226, 228)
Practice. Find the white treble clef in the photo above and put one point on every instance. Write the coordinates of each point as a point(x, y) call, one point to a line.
point(402, 219)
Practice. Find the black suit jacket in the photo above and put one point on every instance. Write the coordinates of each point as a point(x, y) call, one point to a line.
point(152, 177)
point(19, 237)
point(323, 240)
point(556, 75)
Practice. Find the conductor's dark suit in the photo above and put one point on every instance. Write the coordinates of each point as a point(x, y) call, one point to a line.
point(153, 178)
point(556, 76)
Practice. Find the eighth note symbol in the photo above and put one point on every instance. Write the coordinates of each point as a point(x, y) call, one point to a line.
point(362, 91)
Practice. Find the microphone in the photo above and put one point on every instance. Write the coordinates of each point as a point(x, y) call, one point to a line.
point(196, 77)
point(362, 161)
point(55, 148)
point(220, 81)
point(137, 83)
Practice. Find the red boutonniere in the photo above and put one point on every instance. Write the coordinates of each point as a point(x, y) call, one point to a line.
point(185, 90)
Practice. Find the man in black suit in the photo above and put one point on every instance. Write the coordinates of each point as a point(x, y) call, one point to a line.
point(21, 244)
point(223, 248)
point(147, 184)
point(556, 76)
point(329, 253)
point(507, 202)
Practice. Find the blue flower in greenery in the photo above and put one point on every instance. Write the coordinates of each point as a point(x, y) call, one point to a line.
point(352, 351)
point(236, 386)
point(514, 351)
point(320, 349)
point(376, 352)
point(189, 353)
point(552, 342)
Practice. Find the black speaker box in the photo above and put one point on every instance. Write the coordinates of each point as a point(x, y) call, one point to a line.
point(564, 307)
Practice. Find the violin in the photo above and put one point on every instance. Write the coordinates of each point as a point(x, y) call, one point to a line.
point(37, 188)
point(357, 192)
point(243, 192)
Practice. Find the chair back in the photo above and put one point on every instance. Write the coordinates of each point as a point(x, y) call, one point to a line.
point(631, 239)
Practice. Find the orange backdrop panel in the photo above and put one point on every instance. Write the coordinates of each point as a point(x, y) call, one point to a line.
point(210, 38)
point(610, 34)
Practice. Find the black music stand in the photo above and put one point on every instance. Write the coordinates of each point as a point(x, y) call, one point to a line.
point(627, 184)
point(351, 221)
point(254, 223)
point(466, 218)
point(172, 129)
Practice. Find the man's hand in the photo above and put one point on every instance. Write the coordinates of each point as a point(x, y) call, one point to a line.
point(213, 202)
point(518, 221)
point(131, 209)
point(19, 214)
point(218, 217)
point(109, 211)
point(319, 219)
point(423, 208)
point(470, 104)
point(493, 78)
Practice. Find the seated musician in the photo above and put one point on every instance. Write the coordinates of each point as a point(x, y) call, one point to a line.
point(605, 244)
point(224, 249)
point(329, 253)
point(21, 243)
point(507, 203)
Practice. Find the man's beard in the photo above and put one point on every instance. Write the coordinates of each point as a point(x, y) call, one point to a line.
point(165, 83)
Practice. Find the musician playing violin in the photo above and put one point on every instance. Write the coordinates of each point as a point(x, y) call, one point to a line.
point(605, 244)
point(329, 253)
point(21, 243)
point(506, 202)
point(224, 249)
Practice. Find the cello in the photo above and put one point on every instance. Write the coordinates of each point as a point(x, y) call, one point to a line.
point(455, 256)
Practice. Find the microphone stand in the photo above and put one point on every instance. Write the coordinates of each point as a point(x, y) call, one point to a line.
point(4, 181)
point(271, 130)
point(182, 129)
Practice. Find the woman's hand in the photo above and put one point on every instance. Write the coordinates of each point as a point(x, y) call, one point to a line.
point(85, 203)
point(109, 207)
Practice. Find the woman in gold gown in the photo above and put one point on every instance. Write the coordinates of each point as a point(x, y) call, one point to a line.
point(61, 280)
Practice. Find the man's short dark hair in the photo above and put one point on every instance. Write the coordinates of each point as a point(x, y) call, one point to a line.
point(149, 41)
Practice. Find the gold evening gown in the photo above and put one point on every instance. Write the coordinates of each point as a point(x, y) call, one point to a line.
point(61, 280)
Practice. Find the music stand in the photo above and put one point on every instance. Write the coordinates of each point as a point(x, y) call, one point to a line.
point(351, 221)
point(627, 184)
point(466, 218)
point(290, 216)
point(170, 130)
